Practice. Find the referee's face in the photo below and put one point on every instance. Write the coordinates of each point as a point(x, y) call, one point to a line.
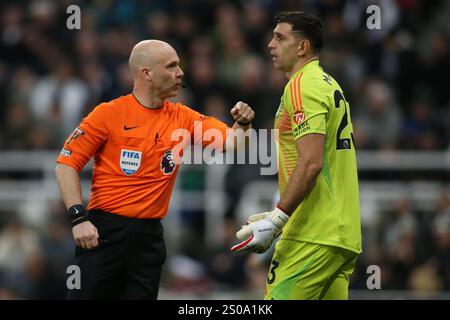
point(283, 47)
point(167, 75)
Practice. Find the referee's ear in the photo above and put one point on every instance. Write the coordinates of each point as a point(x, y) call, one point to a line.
point(147, 73)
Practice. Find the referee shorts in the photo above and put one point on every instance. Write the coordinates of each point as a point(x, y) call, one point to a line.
point(127, 262)
point(309, 271)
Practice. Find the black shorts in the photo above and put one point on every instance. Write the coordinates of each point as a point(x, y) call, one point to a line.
point(127, 262)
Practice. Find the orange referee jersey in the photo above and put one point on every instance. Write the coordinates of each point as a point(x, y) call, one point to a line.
point(134, 168)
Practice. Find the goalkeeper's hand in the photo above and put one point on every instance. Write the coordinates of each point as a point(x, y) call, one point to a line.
point(260, 231)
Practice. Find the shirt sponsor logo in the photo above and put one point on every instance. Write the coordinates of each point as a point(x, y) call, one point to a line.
point(299, 117)
point(167, 162)
point(130, 161)
point(65, 152)
point(301, 129)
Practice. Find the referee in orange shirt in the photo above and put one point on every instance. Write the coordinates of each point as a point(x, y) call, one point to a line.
point(119, 237)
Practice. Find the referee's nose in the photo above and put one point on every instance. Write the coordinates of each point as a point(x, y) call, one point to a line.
point(180, 73)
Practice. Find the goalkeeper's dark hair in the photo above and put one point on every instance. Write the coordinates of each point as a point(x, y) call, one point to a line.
point(306, 25)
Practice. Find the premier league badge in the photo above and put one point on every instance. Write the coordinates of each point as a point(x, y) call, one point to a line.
point(130, 161)
point(167, 162)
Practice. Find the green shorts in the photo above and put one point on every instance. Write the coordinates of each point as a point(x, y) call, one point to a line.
point(309, 271)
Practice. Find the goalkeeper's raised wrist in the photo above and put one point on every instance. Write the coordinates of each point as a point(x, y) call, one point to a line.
point(279, 218)
point(77, 214)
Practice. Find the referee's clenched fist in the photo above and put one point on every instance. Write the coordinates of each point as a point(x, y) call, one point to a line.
point(242, 113)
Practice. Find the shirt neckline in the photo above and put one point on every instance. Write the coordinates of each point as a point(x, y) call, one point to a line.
point(136, 101)
point(314, 61)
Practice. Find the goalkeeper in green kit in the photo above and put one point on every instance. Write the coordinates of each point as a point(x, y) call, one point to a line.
point(318, 214)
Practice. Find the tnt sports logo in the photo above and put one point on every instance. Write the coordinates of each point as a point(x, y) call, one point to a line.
point(167, 162)
point(298, 117)
point(130, 161)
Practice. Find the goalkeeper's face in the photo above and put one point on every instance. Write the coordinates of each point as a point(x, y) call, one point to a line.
point(284, 47)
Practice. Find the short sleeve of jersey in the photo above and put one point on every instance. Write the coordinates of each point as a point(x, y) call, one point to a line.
point(207, 131)
point(85, 140)
point(306, 106)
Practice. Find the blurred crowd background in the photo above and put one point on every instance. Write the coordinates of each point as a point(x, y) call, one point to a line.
point(395, 79)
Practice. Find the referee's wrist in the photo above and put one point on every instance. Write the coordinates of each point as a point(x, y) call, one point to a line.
point(77, 214)
point(243, 123)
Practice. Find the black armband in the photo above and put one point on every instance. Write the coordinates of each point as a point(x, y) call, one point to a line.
point(77, 214)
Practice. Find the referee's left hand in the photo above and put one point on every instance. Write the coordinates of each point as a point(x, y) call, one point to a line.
point(85, 235)
point(242, 113)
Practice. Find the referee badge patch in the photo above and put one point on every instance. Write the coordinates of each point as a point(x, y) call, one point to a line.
point(75, 134)
point(130, 161)
point(298, 117)
point(65, 152)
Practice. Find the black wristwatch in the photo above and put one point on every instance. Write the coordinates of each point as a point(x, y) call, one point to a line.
point(77, 214)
